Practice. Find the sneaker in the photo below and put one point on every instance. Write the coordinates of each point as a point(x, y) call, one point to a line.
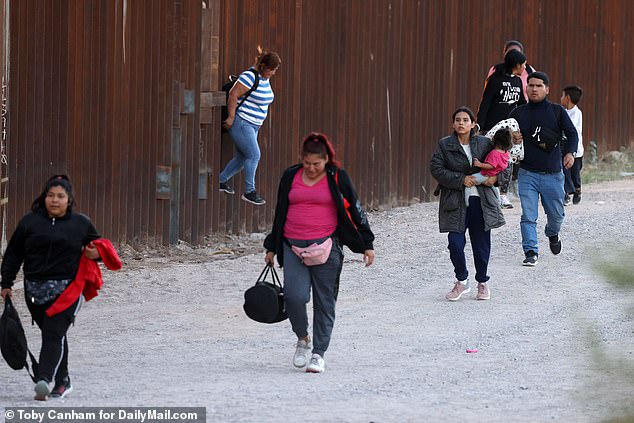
point(62, 389)
point(41, 390)
point(316, 364)
point(531, 258)
point(567, 200)
point(555, 244)
point(224, 187)
point(301, 351)
point(458, 289)
point(253, 198)
point(504, 202)
point(576, 197)
point(483, 292)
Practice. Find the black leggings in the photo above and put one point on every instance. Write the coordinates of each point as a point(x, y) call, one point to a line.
point(54, 352)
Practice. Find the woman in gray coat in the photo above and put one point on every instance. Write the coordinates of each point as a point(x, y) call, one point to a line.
point(452, 166)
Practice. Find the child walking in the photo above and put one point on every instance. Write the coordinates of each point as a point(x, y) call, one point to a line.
point(497, 160)
point(572, 183)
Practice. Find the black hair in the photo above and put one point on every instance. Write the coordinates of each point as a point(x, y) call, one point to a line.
point(510, 43)
point(512, 59)
point(467, 111)
point(574, 92)
point(503, 139)
point(540, 75)
point(55, 181)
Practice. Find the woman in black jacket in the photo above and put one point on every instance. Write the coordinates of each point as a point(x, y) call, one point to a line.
point(452, 166)
point(49, 242)
point(316, 205)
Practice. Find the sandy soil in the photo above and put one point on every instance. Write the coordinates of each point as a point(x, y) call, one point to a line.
point(169, 330)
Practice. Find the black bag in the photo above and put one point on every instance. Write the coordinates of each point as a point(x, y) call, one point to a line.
point(13, 340)
point(264, 302)
point(227, 87)
point(549, 139)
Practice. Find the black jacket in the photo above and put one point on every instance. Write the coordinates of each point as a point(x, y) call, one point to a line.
point(50, 248)
point(449, 165)
point(531, 118)
point(502, 93)
point(353, 229)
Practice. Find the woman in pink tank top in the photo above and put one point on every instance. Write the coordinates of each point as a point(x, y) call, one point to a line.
point(317, 209)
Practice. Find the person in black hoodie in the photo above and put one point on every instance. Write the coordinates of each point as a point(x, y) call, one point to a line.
point(48, 243)
point(503, 92)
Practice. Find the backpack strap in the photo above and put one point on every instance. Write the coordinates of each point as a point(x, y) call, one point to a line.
point(254, 87)
point(346, 203)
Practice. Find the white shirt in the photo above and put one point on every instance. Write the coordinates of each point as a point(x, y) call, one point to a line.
point(469, 191)
point(577, 119)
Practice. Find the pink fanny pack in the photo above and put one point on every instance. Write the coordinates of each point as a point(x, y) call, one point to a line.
point(315, 253)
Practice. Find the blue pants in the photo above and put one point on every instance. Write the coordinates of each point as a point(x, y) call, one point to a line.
point(246, 153)
point(532, 185)
point(480, 244)
point(324, 280)
point(573, 176)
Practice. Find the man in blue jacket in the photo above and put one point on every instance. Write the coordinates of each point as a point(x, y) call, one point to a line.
point(541, 126)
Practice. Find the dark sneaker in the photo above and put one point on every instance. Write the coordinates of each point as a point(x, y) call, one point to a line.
point(41, 390)
point(567, 200)
point(224, 187)
point(555, 244)
point(253, 198)
point(531, 258)
point(62, 389)
point(576, 197)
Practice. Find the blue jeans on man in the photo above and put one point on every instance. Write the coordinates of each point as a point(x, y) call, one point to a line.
point(532, 186)
point(246, 153)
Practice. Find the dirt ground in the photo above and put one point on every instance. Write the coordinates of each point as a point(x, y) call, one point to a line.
point(169, 330)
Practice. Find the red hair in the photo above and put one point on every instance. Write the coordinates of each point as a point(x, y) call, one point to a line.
point(318, 143)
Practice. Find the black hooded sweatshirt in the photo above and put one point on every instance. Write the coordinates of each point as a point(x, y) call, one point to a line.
point(50, 248)
point(502, 94)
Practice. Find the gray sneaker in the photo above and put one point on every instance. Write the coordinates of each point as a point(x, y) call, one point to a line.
point(41, 390)
point(302, 349)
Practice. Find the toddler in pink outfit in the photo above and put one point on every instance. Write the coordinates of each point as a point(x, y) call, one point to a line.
point(497, 160)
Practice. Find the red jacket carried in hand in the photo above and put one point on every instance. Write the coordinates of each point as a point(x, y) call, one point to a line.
point(88, 279)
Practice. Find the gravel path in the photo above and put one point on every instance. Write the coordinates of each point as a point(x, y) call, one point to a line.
point(166, 333)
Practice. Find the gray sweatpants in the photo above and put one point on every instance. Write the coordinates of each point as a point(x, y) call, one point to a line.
point(324, 280)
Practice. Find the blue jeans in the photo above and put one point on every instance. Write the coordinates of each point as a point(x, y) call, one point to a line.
point(480, 244)
point(246, 153)
point(532, 185)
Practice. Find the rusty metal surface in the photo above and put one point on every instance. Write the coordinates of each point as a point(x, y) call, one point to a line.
point(109, 91)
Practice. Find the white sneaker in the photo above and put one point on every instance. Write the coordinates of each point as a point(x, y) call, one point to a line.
point(504, 202)
point(301, 351)
point(316, 365)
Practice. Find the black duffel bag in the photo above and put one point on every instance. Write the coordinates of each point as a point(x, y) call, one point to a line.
point(13, 345)
point(264, 302)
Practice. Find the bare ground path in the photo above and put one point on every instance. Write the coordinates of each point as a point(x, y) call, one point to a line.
point(170, 331)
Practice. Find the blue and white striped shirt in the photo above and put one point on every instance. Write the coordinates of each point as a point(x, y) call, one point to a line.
point(256, 106)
